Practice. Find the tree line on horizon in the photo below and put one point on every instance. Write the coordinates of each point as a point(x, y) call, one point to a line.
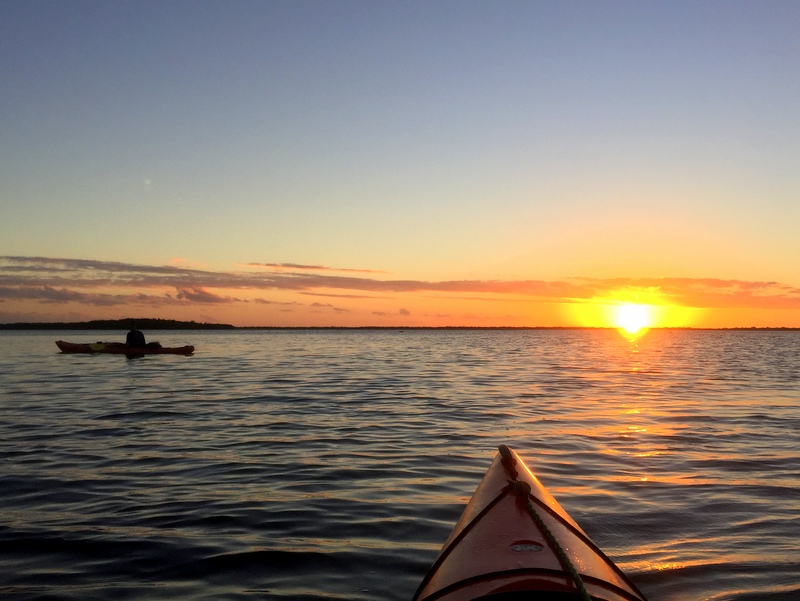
point(147, 323)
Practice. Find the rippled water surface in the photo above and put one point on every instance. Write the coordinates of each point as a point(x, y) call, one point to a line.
point(333, 464)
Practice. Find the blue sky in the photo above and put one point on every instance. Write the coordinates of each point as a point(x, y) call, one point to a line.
point(425, 140)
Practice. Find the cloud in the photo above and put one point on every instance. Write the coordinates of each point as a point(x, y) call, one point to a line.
point(58, 280)
point(400, 313)
point(42, 293)
point(300, 267)
point(264, 301)
point(329, 306)
point(50, 295)
point(706, 292)
point(333, 295)
point(200, 295)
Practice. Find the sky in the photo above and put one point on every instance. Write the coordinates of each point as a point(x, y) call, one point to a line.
point(415, 163)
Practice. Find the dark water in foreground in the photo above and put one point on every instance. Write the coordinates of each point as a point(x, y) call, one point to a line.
point(332, 465)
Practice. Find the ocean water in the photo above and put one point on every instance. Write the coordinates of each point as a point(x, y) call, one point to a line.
point(310, 465)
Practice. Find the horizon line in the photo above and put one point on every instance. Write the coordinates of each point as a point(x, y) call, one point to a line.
point(145, 321)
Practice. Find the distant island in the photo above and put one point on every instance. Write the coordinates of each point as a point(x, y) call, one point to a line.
point(119, 324)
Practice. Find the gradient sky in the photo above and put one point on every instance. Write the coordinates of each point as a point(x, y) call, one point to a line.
point(400, 163)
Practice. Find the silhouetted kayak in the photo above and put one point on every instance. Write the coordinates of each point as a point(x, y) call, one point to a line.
point(119, 348)
point(514, 542)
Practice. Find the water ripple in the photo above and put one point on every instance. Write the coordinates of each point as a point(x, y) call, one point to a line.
point(332, 464)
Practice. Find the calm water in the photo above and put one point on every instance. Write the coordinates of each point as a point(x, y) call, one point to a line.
point(332, 465)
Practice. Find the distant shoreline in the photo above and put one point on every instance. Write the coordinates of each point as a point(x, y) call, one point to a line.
point(145, 323)
point(172, 324)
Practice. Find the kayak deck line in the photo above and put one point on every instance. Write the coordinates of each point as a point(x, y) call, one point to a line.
point(514, 539)
point(523, 491)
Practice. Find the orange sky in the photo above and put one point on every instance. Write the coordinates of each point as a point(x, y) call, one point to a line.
point(45, 289)
point(505, 164)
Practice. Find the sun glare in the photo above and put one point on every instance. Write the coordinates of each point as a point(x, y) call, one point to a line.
point(632, 312)
point(633, 318)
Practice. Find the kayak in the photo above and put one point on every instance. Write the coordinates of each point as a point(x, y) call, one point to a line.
point(119, 348)
point(514, 541)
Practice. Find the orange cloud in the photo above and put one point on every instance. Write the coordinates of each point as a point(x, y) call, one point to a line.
point(201, 295)
point(300, 267)
point(102, 283)
point(706, 292)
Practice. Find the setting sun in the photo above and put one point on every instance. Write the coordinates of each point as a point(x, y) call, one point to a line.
point(633, 312)
point(633, 318)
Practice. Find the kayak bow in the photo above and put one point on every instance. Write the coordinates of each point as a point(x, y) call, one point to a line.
point(514, 541)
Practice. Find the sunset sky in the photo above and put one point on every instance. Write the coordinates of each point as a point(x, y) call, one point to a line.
point(400, 163)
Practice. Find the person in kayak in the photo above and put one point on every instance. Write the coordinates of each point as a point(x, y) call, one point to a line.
point(135, 338)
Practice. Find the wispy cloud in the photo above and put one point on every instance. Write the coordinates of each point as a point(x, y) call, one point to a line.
point(329, 306)
point(201, 295)
point(399, 313)
point(58, 280)
point(50, 295)
point(706, 292)
point(300, 267)
point(336, 295)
